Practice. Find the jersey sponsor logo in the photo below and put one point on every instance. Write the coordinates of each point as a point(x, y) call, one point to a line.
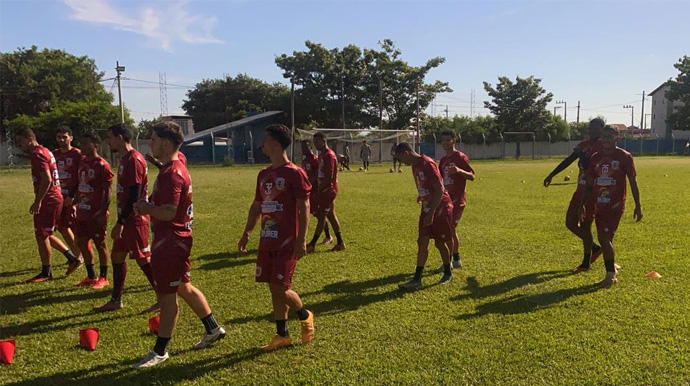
point(269, 228)
point(61, 164)
point(280, 183)
point(605, 181)
point(91, 173)
point(604, 197)
point(119, 189)
point(271, 207)
point(120, 169)
point(70, 161)
point(85, 188)
point(614, 165)
point(447, 181)
point(423, 192)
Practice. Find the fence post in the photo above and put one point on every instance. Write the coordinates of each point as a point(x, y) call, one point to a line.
point(657, 144)
point(434, 135)
point(213, 148)
point(484, 150)
point(503, 147)
point(534, 145)
point(673, 143)
point(549, 134)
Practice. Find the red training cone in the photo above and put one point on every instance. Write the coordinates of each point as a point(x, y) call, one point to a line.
point(88, 338)
point(653, 274)
point(154, 322)
point(7, 351)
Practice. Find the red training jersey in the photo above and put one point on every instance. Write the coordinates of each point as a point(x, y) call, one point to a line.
point(182, 158)
point(173, 186)
point(425, 175)
point(278, 190)
point(310, 164)
point(68, 167)
point(587, 148)
point(42, 159)
point(610, 172)
point(455, 183)
point(95, 177)
point(132, 171)
point(328, 164)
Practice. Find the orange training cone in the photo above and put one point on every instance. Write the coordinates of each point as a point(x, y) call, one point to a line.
point(154, 322)
point(88, 338)
point(653, 274)
point(7, 351)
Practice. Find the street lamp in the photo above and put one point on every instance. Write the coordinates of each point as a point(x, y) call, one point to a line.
point(565, 110)
point(632, 114)
point(120, 69)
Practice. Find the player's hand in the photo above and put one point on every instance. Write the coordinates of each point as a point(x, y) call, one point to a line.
point(419, 199)
point(581, 213)
point(73, 211)
point(116, 233)
point(300, 249)
point(35, 208)
point(149, 157)
point(242, 245)
point(68, 201)
point(547, 181)
point(637, 215)
point(428, 219)
point(142, 208)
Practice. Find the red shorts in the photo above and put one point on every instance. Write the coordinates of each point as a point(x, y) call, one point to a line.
point(442, 227)
point(135, 241)
point(90, 229)
point(457, 214)
point(46, 220)
point(276, 267)
point(324, 202)
point(575, 205)
point(66, 220)
point(607, 221)
point(170, 262)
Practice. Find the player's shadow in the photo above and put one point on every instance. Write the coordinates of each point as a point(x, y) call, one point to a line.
point(220, 260)
point(476, 291)
point(17, 273)
point(520, 304)
point(562, 183)
point(344, 296)
point(171, 372)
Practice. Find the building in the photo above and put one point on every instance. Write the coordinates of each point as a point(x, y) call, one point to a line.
point(662, 108)
point(185, 122)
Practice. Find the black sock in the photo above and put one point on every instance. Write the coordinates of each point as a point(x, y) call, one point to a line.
point(326, 231)
point(90, 273)
point(585, 260)
point(339, 238)
point(418, 272)
point(209, 323)
point(70, 256)
point(609, 265)
point(45, 271)
point(456, 256)
point(302, 313)
point(281, 328)
point(446, 269)
point(595, 248)
point(161, 345)
point(314, 240)
point(104, 271)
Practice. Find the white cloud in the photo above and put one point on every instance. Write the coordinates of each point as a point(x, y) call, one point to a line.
point(161, 22)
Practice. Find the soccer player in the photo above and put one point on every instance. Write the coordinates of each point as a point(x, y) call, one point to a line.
point(310, 164)
point(435, 217)
point(326, 192)
point(395, 158)
point(92, 201)
point(131, 232)
point(456, 171)
point(67, 158)
point(47, 202)
point(582, 227)
point(606, 177)
point(281, 202)
point(171, 211)
point(364, 154)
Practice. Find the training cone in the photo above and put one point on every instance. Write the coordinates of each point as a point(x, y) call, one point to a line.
point(154, 322)
point(88, 338)
point(7, 351)
point(653, 274)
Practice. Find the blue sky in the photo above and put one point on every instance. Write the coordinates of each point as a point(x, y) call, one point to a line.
point(603, 53)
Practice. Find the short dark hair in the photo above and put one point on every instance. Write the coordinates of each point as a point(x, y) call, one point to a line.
point(597, 123)
point(170, 131)
point(25, 132)
point(307, 142)
point(403, 147)
point(281, 134)
point(320, 135)
point(91, 137)
point(122, 130)
point(63, 130)
point(449, 133)
point(611, 128)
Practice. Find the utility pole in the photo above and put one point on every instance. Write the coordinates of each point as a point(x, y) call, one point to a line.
point(632, 114)
point(342, 95)
point(292, 115)
point(555, 108)
point(565, 110)
point(642, 116)
point(380, 105)
point(120, 69)
point(446, 110)
point(578, 112)
point(418, 123)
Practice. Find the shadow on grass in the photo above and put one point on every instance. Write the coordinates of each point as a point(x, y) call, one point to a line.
point(17, 273)
point(222, 260)
point(520, 304)
point(346, 296)
point(478, 292)
point(166, 373)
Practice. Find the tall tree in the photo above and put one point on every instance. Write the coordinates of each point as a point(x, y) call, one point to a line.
point(679, 93)
point(214, 102)
point(48, 88)
point(519, 105)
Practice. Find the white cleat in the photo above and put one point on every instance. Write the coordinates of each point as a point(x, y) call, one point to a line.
point(217, 333)
point(151, 359)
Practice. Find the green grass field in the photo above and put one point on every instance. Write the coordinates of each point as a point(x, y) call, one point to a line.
point(514, 315)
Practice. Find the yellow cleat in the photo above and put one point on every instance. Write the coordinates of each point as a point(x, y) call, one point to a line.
point(277, 342)
point(308, 328)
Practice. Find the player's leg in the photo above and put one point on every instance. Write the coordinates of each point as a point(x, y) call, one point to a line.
point(45, 253)
point(335, 224)
point(103, 259)
point(320, 223)
point(422, 255)
point(119, 260)
point(196, 300)
point(87, 254)
point(327, 239)
point(444, 247)
point(582, 229)
point(169, 312)
point(70, 240)
point(606, 241)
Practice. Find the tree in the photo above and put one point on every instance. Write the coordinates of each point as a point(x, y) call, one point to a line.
point(326, 76)
point(214, 102)
point(679, 94)
point(48, 88)
point(519, 105)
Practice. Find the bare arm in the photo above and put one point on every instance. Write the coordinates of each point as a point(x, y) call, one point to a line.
point(564, 164)
point(465, 173)
point(636, 196)
point(303, 224)
point(163, 212)
point(436, 196)
point(43, 186)
point(252, 219)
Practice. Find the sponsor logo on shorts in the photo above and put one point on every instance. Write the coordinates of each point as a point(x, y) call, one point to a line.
point(258, 271)
point(175, 283)
point(279, 276)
